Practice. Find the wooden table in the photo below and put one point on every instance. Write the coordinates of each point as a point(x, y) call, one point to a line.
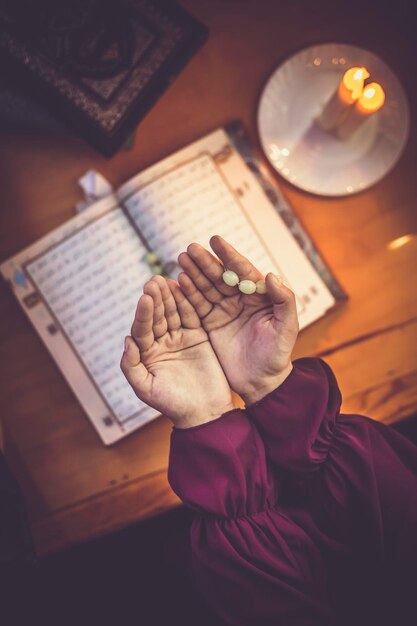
point(76, 488)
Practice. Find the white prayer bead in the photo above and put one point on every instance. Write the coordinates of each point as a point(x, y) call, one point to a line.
point(247, 286)
point(230, 278)
point(151, 258)
point(261, 286)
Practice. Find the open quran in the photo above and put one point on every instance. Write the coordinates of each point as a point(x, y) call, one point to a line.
point(79, 285)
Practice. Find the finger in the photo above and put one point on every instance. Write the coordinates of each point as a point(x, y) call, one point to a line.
point(170, 306)
point(135, 372)
point(160, 325)
point(195, 297)
point(210, 267)
point(233, 260)
point(283, 299)
point(142, 325)
point(203, 284)
point(187, 313)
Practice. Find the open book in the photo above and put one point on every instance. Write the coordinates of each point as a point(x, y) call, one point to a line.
point(79, 284)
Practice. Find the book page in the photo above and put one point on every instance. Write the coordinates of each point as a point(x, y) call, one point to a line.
point(91, 282)
point(191, 203)
point(79, 286)
point(208, 189)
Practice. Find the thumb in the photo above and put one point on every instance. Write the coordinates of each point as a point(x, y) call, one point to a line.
point(283, 299)
point(134, 370)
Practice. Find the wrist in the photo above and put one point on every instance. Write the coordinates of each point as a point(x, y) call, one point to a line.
point(262, 388)
point(203, 416)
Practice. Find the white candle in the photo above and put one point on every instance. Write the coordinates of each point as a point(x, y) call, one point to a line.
point(348, 91)
point(370, 101)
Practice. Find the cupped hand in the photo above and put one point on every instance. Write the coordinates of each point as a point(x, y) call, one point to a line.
point(169, 361)
point(252, 335)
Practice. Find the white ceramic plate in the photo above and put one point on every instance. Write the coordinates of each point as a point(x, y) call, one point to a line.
point(311, 158)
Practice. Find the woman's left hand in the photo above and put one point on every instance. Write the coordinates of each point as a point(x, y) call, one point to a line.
point(169, 361)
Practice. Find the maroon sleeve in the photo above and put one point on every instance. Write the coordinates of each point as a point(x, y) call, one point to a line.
point(251, 561)
point(296, 420)
point(361, 474)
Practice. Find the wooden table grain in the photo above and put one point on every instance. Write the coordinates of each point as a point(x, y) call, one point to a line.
point(77, 489)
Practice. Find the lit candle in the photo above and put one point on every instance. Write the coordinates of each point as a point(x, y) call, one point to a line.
point(348, 91)
point(370, 101)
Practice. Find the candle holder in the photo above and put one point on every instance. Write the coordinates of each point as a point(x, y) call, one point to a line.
point(317, 160)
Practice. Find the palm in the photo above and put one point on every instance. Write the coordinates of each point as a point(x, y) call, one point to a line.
point(245, 340)
point(170, 363)
point(175, 360)
point(252, 337)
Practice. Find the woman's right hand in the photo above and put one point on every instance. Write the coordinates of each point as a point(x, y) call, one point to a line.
point(252, 335)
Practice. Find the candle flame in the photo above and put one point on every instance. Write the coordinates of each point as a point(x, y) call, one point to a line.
point(369, 93)
point(351, 85)
point(372, 98)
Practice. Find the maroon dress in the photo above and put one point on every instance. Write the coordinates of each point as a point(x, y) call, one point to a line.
point(304, 516)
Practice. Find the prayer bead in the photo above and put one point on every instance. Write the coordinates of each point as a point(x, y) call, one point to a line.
point(151, 258)
point(261, 286)
point(230, 278)
point(157, 270)
point(247, 286)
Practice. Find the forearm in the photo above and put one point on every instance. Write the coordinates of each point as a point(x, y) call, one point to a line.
point(251, 562)
point(296, 419)
point(362, 475)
